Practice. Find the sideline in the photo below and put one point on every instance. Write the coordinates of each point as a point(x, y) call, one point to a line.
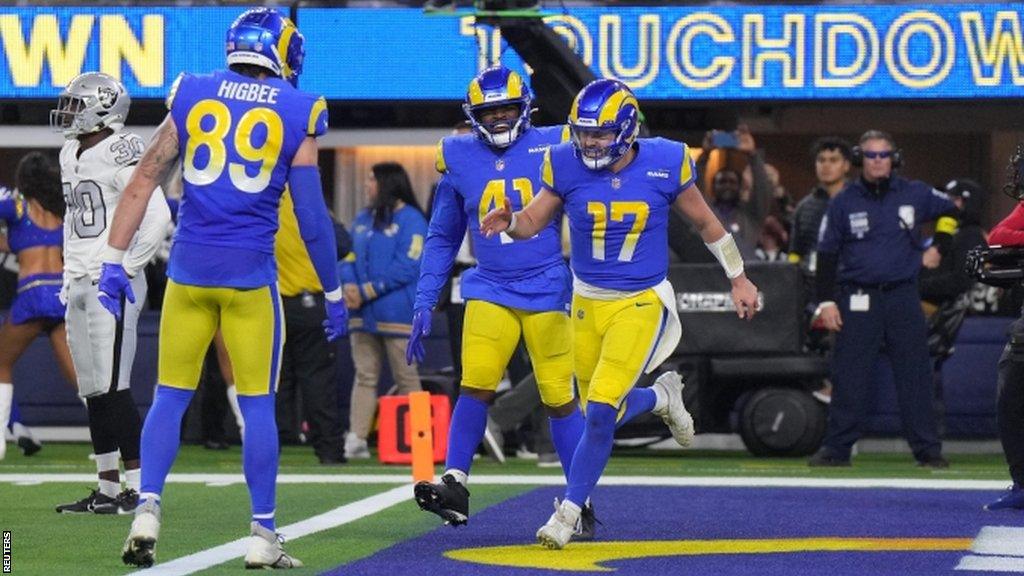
point(554, 480)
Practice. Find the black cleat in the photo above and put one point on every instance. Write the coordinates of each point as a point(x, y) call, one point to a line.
point(588, 524)
point(123, 503)
point(29, 446)
point(448, 499)
point(85, 505)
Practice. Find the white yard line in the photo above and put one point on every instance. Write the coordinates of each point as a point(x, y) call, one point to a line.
point(236, 549)
point(556, 480)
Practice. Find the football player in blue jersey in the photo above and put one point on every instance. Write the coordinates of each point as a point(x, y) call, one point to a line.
point(617, 191)
point(519, 289)
point(243, 135)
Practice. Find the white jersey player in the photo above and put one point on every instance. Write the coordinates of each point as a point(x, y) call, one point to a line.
point(96, 163)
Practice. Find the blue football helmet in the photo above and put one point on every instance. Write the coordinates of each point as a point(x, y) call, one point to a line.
point(494, 87)
point(266, 38)
point(604, 106)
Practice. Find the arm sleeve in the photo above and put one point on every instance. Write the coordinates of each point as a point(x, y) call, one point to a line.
point(315, 224)
point(1010, 231)
point(151, 234)
point(404, 267)
point(444, 236)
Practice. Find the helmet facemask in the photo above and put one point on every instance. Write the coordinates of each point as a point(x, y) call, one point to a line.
point(598, 157)
point(91, 102)
point(500, 133)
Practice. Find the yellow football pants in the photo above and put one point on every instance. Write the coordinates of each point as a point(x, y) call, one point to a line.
point(490, 335)
point(251, 321)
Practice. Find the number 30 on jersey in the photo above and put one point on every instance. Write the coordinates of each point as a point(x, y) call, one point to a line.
point(209, 125)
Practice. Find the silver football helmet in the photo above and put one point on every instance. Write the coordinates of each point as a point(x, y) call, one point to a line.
point(91, 102)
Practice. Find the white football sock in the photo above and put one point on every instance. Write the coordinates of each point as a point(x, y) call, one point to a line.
point(105, 463)
point(132, 479)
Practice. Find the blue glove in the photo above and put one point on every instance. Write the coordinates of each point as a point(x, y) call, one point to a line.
point(114, 284)
point(336, 324)
point(420, 328)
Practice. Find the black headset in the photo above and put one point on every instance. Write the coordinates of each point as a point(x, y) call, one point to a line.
point(857, 155)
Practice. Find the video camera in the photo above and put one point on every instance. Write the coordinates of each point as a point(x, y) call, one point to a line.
point(999, 266)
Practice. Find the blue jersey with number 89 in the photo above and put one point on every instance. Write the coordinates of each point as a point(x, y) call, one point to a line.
point(237, 137)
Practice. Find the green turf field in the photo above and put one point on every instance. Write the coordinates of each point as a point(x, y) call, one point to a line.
point(198, 516)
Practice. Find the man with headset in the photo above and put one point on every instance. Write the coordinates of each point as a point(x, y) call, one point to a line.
point(869, 256)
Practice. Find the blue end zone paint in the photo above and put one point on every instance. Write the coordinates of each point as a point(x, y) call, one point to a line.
point(653, 513)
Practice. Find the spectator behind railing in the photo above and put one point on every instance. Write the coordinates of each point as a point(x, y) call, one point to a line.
point(379, 279)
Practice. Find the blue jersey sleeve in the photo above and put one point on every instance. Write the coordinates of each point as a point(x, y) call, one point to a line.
point(444, 236)
point(830, 234)
point(404, 267)
point(317, 123)
point(687, 170)
point(547, 174)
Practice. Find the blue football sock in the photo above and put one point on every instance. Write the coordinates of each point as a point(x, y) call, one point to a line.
point(469, 419)
point(638, 401)
point(565, 435)
point(161, 435)
point(15, 416)
point(592, 453)
point(259, 456)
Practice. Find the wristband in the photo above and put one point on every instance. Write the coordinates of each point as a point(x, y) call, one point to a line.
point(512, 224)
point(112, 255)
point(333, 295)
point(728, 255)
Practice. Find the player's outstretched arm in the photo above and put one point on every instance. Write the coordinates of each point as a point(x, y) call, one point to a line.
point(525, 223)
point(317, 232)
point(690, 202)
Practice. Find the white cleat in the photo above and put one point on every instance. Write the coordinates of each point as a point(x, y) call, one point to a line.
point(3, 444)
point(561, 527)
point(266, 551)
point(674, 414)
point(140, 547)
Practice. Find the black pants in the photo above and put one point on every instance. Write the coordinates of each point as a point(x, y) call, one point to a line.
point(1011, 401)
point(307, 369)
point(894, 318)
